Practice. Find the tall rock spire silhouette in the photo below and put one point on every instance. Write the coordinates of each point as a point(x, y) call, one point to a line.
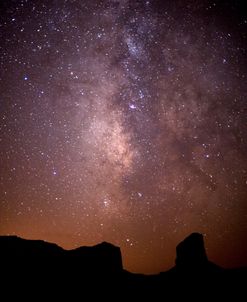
point(191, 252)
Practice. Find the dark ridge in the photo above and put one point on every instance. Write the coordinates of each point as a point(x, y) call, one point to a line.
point(103, 257)
point(35, 269)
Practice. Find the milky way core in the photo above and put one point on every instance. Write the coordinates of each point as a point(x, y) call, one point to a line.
point(125, 121)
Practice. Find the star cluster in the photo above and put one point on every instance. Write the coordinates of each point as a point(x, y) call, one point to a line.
point(125, 121)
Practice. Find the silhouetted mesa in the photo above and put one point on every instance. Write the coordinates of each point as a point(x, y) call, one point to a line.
point(103, 257)
point(97, 272)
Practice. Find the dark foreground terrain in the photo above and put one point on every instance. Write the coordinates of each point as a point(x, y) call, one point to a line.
point(36, 270)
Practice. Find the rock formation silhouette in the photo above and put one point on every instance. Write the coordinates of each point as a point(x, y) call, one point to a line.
point(191, 252)
point(37, 269)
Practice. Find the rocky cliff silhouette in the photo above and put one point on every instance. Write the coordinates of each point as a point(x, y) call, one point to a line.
point(191, 252)
point(42, 269)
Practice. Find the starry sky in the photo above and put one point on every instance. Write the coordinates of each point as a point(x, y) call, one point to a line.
point(125, 121)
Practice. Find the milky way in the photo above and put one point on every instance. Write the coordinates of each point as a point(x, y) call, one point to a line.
point(125, 121)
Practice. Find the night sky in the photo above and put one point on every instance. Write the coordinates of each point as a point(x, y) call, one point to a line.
point(125, 121)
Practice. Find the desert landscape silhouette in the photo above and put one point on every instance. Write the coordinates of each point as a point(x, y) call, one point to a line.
point(38, 269)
